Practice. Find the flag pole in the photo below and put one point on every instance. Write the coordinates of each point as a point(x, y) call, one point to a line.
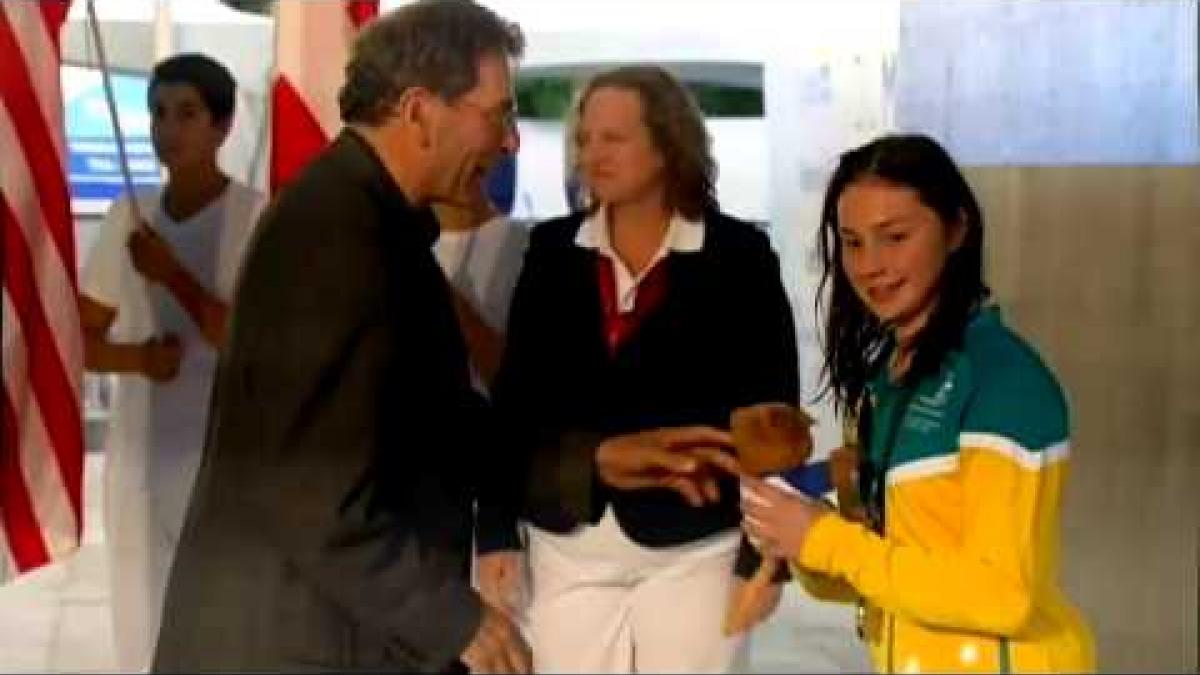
point(262, 144)
point(111, 99)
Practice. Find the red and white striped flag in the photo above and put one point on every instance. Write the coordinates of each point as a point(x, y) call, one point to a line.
point(41, 459)
point(312, 46)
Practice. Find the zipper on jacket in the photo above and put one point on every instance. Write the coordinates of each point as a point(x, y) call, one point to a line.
point(891, 643)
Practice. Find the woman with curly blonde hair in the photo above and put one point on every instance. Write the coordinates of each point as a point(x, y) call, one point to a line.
point(642, 320)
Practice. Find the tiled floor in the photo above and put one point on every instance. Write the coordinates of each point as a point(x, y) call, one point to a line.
point(56, 619)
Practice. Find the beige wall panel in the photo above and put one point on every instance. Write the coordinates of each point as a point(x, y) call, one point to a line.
point(1097, 266)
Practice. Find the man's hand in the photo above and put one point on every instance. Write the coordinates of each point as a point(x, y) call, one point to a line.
point(160, 357)
point(152, 256)
point(678, 458)
point(497, 646)
point(501, 577)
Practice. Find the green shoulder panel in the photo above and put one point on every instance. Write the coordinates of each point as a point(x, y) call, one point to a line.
point(1013, 393)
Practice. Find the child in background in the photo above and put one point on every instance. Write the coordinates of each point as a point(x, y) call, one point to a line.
point(154, 302)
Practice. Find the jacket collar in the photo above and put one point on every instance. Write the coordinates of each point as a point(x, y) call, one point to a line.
point(683, 235)
point(359, 158)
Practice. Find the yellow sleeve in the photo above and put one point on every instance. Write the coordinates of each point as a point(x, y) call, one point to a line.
point(1010, 501)
point(824, 587)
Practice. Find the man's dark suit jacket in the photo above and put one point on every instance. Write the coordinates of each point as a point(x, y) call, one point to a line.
point(722, 338)
point(330, 527)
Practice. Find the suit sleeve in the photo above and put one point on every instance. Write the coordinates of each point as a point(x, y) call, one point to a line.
point(341, 481)
point(545, 468)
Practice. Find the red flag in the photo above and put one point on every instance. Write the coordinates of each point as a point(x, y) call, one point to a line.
point(41, 457)
point(312, 45)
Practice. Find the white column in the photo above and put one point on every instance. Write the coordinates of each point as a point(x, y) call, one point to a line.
point(827, 88)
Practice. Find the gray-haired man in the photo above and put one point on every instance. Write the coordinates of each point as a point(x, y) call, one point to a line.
point(330, 528)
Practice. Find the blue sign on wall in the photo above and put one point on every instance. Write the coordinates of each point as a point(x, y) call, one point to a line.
point(94, 164)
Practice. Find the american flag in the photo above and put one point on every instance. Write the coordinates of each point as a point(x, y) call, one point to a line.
point(312, 46)
point(41, 459)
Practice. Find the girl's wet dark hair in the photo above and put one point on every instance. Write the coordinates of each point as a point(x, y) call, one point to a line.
point(854, 338)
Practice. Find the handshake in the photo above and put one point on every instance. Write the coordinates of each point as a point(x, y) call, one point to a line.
point(765, 438)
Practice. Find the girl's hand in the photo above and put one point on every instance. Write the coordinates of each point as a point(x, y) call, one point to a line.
point(778, 522)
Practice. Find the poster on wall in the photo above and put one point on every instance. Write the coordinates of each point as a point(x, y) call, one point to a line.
point(1062, 92)
point(93, 158)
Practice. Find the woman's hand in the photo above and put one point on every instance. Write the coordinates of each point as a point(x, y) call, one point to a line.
point(778, 522)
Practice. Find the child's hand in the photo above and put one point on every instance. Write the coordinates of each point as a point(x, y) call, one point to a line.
point(777, 522)
point(161, 357)
point(152, 256)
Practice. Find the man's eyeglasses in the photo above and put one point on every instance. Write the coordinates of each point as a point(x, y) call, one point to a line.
point(501, 119)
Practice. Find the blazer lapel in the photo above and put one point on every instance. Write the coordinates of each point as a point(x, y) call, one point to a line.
point(583, 304)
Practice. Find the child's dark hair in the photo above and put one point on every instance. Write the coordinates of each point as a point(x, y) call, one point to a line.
point(210, 79)
point(854, 338)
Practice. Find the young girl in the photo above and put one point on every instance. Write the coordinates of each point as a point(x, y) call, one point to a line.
point(963, 428)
